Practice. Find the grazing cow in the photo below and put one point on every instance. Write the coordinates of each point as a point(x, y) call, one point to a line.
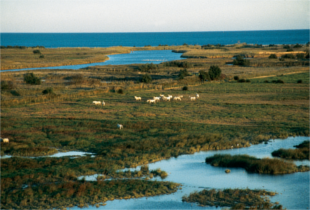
point(197, 95)
point(161, 95)
point(156, 98)
point(97, 102)
point(192, 98)
point(138, 98)
point(5, 140)
point(151, 101)
point(170, 96)
point(166, 98)
point(103, 104)
point(119, 126)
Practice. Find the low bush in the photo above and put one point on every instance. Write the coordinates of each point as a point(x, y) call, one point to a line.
point(241, 80)
point(290, 56)
point(297, 46)
point(41, 56)
point(120, 91)
point(289, 50)
point(15, 93)
point(7, 85)
point(241, 61)
point(277, 81)
point(247, 80)
point(281, 59)
point(299, 81)
point(266, 81)
point(301, 153)
point(236, 77)
point(286, 46)
point(31, 79)
point(185, 88)
point(272, 56)
point(148, 67)
point(300, 56)
point(183, 73)
point(36, 52)
point(146, 78)
point(47, 91)
point(203, 75)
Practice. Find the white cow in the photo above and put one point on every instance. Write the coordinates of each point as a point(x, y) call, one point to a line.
point(138, 98)
point(119, 126)
point(103, 103)
point(5, 140)
point(197, 95)
point(192, 98)
point(177, 98)
point(156, 98)
point(97, 102)
point(166, 98)
point(151, 101)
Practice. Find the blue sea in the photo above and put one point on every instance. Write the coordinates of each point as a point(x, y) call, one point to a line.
point(54, 40)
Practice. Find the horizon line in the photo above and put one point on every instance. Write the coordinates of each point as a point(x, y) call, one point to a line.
point(162, 31)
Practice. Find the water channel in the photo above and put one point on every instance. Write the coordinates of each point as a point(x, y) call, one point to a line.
point(135, 57)
point(194, 174)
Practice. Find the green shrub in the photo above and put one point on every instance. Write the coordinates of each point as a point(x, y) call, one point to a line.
point(300, 56)
point(290, 56)
point(277, 81)
point(31, 79)
point(7, 85)
point(15, 93)
point(241, 61)
point(214, 72)
point(286, 46)
point(266, 81)
point(247, 80)
point(299, 81)
point(289, 50)
point(47, 91)
point(236, 77)
point(36, 52)
point(203, 75)
point(185, 88)
point(297, 46)
point(146, 78)
point(41, 56)
point(273, 56)
point(120, 91)
point(241, 80)
point(183, 73)
point(281, 59)
point(148, 67)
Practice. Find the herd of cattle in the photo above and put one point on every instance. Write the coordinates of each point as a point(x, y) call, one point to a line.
point(154, 100)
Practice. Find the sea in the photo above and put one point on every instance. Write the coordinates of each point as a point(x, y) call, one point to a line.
point(56, 40)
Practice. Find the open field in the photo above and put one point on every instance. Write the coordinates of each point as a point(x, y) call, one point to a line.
point(227, 113)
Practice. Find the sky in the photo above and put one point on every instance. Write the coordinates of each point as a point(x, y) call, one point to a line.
point(152, 15)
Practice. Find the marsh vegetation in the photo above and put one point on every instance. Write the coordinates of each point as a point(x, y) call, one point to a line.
point(300, 153)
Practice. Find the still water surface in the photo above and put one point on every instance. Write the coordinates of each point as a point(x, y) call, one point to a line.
point(194, 174)
point(135, 57)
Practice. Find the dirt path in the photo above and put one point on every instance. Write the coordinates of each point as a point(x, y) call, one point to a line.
point(295, 72)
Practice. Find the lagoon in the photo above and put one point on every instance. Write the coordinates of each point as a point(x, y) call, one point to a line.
point(194, 174)
point(135, 57)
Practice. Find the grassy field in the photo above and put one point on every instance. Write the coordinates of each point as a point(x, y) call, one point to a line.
point(228, 113)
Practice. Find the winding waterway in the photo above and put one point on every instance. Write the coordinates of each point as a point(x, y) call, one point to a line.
point(194, 174)
point(135, 57)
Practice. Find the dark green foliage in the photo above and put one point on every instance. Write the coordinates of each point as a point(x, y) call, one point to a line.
point(41, 56)
point(290, 56)
point(266, 81)
point(148, 67)
point(7, 85)
point(281, 59)
point(241, 80)
point(214, 72)
point(185, 88)
point(303, 145)
point(15, 93)
point(299, 81)
point(146, 78)
point(47, 91)
point(297, 46)
point(301, 153)
point(36, 52)
point(247, 80)
point(241, 61)
point(31, 79)
point(203, 75)
point(183, 73)
point(286, 46)
point(277, 81)
point(307, 55)
point(300, 56)
point(289, 50)
point(120, 91)
point(272, 56)
point(184, 64)
point(235, 198)
point(236, 77)
point(255, 165)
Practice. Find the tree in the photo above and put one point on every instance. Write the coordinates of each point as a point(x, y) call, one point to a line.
point(214, 72)
point(241, 61)
point(203, 75)
point(30, 78)
point(146, 78)
point(272, 56)
point(183, 73)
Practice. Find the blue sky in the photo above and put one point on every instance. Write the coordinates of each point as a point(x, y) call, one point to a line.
point(152, 15)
